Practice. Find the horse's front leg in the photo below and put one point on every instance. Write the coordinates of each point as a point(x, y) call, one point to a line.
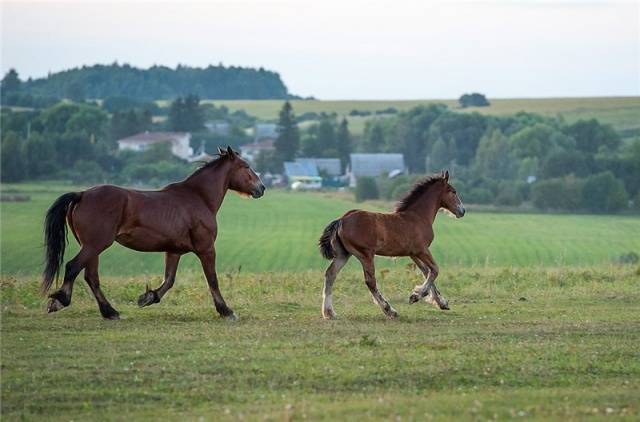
point(208, 261)
point(428, 290)
point(150, 297)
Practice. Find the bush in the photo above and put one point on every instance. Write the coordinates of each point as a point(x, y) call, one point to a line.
point(400, 190)
point(509, 195)
point(558, 194)
point(366, 188)
point(478, 196)
point(604, 193)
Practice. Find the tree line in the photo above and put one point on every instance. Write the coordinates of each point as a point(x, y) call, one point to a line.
point(157, 82)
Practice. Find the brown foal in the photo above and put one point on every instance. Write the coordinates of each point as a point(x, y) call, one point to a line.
point(406, 232)
point(177, 219)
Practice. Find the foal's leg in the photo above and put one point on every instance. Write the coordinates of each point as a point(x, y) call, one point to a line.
point(92, 279)
point(170, 267)
point(428, 290)
point(329, 277)
point(208, 261)
point(61, 298)
point(370, 279)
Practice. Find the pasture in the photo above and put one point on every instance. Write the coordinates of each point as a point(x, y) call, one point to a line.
point(280, 231)
point(543, 324)
point(621, 112)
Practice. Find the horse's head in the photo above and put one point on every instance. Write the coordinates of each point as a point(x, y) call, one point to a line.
point(242, 178)
point(450, 199)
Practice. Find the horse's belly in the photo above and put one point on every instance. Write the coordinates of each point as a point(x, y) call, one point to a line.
point(145, 240)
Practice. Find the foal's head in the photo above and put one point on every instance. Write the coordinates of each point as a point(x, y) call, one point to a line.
point(242, 178)
point(449, 198)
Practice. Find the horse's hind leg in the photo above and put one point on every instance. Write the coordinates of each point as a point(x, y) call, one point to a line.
point(154, 296)
point(93, 280)
point(329, 277)
point(370, 279)
point(61, 298)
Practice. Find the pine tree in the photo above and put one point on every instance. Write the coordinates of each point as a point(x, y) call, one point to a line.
point(343, 141)
point(288, 140)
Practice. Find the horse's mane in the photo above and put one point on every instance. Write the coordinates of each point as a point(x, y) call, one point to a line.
point(204, 165)
point(416, 192)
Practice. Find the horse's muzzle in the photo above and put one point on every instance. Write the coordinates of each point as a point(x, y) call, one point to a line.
point(461, 212)
point(258, 192)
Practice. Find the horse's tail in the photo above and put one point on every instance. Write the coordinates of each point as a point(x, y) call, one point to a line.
point(330, 241)
point(55, 237)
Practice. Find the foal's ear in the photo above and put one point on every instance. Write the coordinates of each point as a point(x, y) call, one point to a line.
point(220, 151)
point(232, 154)
point(446, 175)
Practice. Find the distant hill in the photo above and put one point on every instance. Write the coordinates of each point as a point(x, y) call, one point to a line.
point(159, 82)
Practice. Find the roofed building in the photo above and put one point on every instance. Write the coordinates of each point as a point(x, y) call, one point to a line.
point(374, 165)
point(251, 151)
point(179, 142)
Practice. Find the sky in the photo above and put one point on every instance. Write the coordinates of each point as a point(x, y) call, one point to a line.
point(347, 49)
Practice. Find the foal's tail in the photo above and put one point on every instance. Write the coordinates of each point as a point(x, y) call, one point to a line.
point(55, 237)
point(329, 241)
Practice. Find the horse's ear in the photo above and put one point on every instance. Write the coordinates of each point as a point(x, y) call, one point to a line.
point(232, 154)
point(446, 175)
point(220, 151)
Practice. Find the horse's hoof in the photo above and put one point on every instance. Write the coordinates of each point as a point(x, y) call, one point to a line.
point(231, 317)
point(392, 314)
point(444, 307)
point(148, 298)
point(413, 298)
point(328, 314)
point(113, 317)
point(54, 305)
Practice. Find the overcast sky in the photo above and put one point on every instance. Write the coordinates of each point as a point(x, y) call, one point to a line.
point(348, 49)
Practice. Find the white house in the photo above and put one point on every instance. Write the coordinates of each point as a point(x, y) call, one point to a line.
point(179, 142)
point(251, 151)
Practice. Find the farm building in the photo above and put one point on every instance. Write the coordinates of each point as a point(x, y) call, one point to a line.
point(250, 151)
point(327, 166)
point(219, 127)
point(374, 165)
point(298, 168)
point(179, 142)
point(263, 131)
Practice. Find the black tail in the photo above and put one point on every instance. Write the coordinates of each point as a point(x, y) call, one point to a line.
point(326, 242)
point(55, 237)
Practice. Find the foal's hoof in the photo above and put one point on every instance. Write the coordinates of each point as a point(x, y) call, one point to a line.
point(329, 314)
point(112, 317)
point(148, 298)
point(413, 298)
point(392, 314)
point(54, 305)
point(444, 307)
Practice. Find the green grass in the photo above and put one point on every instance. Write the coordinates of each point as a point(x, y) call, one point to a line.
point(556, 344)
point(621, 112)
point(280, 231)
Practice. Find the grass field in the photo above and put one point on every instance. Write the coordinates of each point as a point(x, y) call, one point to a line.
point(543, 325)
point(621, 112)
point(551, 344)
point(280, 231)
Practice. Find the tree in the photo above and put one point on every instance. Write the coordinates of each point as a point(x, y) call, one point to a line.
point(40, 156)
point(10, 83)
point(604, 193)
point(473, 100)
point(343, 143)
point(288, 140)
point(374, 139)
point(13, 168)
point(493, 157)
point(186, 115)
point(439, 155)
point(366, 188)
point(591, 136)
point(561, 163)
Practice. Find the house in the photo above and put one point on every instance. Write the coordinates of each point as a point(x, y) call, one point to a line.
point(263, 131)
point(251, 151)
point(219, 127)
point(303, 168)
point(374, 165)
point(327, 166)
point(179, 142)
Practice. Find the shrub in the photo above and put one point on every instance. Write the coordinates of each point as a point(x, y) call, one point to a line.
point(366, 188)
point(604, 193)
point(508, 194)
point(479, 196)
point(558, 194)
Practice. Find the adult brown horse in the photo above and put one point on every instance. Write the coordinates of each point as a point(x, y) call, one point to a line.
point(406, 232)
point(177, 219)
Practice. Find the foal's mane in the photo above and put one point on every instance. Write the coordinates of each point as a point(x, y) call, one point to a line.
point(416, 192)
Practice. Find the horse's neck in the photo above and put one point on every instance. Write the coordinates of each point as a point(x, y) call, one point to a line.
point(211, 185)
point(428, 205)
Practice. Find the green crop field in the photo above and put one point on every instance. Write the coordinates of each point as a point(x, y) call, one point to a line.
point(543, 324)
point(279, 233)
point(621, 112)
